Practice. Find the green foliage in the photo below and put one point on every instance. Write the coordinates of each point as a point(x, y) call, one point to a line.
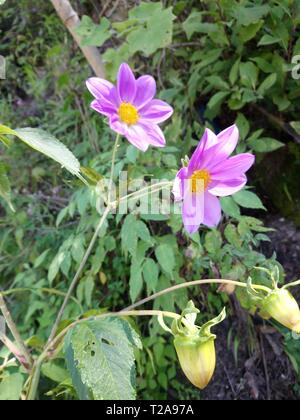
point(100, 359)
point(216, 62)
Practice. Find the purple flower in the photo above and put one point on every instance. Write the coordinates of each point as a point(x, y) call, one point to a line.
point(210, 173)
point(130, 107)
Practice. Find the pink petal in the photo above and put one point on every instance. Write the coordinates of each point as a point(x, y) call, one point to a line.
point(103, 107)
point(192, 209)
point(232, 168)
point(212, 210)
point(99, 88)
point(178, 184)
point(126, 83)
point(225, 188)
point(153, 134)
point(156, 111)
point(117, 125)
point(226, 143)
point(137, 135)
point(206, 142)
point(145, 90)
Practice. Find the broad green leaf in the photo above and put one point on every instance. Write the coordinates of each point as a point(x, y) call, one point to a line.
point(230, 207)
point(129, 235)
point(11, 387)
point(264, 144)
point(268, 40)
point(213, 241)
point(191, 24)
point(249, 15)
point(217, 99)
point(150, 274)
point(135, 281)
point(54, 371)
point(234, 72)
point(248, 32)
point(267, 83)
point(93, 34)
point(232, 236)
point(248, 199)
point(243, 125)
point(248, 74)
point(154, 30)
point(45, 143)
point(165, 256)
point(100, 359)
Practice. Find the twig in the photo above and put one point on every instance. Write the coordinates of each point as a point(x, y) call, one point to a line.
point(265, 366)
point(13, 329)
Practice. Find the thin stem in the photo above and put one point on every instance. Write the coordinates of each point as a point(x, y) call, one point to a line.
point(193, 283)
point(90, 247)
point(292, 284)
point(112, 169)
point(78, 273)
point(13, 329)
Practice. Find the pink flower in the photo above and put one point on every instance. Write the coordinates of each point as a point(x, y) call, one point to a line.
point(130, 107)
point(210, 173)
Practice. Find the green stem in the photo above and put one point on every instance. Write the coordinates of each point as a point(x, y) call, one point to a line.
point(13, 329)
point(292, 284)
point(78, 273)
point(112, 169)
point(190, 284)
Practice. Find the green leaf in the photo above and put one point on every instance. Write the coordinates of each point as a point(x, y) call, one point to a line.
point(11, 387)
point(5, 186)
point(165, 256)
point(100, 359)
point(93, 34)
point(213, 241)
point(45, 143)
point(243, 125)
point(248, 199)
point(234, 72)
point(191, 24)
point(217, 99)
point(230, 207)
point(264, 144)
point(248, 32)
point(249, 15)
point(129, 234)
point(154, 29)
point(135, 281)
point(150, 274)
point(268, 40)
point(267, 83)
point(249, 74)
point(54, 371)
point(296, 126)
point(232, 236)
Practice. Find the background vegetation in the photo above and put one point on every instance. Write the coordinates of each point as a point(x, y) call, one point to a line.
point(216, 63)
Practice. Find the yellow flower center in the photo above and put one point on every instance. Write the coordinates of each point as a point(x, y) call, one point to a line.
point(200, 180)
point(128, 113)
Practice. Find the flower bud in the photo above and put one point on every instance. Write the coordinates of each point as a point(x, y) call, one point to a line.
point(197, 359)
point(195, 346)
point(282, 306)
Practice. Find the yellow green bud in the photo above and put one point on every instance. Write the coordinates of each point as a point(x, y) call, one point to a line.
point(195, 346)
point(282, 306)
point(197, 359)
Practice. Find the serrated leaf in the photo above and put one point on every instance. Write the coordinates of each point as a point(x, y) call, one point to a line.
point(150, 274)
point(100, 359)
point(45, 143)
point(129, 235)
point(165, 256)
point(93, 34)
point(230, 207)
